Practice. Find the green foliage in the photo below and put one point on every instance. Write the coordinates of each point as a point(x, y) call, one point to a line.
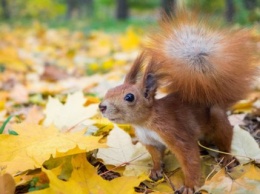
point(105, 2)
point(46, 9)
point(102, 12)
point(144, 4)
point(36, 9)
point(242, 14)
point(35, 187)
point(4, 124)
point(246, 16)
point(2, 68)
point(206, 5)
point(242, 17)
point(12, 132)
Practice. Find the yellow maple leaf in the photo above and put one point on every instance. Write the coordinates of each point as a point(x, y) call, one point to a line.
point(35, 144)
point(244, 106)
point(252, 173)
point(84, 179)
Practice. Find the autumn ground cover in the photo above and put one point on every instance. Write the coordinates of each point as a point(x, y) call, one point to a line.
point(54, 140)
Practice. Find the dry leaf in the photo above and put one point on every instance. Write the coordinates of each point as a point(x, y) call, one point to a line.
point(236, 119)
point(84, 179)
point(69, 116)
point(53, 73)
point(19, 94)
point(243, 144)
point(35, 144)
point(121, 151)
point(34, 115)
point(244, 106)
point(7, 184)
point(220, 183)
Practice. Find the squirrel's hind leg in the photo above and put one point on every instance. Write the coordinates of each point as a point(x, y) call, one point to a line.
point(187, 153)
point(221, 135)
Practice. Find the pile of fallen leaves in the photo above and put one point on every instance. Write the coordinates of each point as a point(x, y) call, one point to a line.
point(54, 140)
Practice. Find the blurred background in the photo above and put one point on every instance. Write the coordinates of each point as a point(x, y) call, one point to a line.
point(53, 46)
point(117, 14)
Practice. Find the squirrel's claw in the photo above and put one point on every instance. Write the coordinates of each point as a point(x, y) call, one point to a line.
point(156, 175)
point(227, 161)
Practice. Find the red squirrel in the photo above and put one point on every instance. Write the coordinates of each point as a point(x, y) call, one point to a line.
point(204, 70)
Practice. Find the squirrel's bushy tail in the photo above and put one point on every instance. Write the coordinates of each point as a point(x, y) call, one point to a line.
point(204, 64)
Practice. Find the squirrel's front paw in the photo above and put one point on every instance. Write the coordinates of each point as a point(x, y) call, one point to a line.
point(155, 174)
point(184, 190)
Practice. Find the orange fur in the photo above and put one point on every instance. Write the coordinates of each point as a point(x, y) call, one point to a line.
point(204, 75)
point(213, 66)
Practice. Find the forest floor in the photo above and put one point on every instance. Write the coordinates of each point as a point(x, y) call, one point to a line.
point(53, 138)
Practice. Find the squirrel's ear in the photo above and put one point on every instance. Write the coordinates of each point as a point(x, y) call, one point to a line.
point(150, 86)
point(136, 68)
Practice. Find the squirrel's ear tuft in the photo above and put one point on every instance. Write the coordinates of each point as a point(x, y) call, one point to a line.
point(150, 86)
point(135, 70)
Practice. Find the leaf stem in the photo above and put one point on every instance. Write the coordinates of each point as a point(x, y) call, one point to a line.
point(69, 129)
point(221, 152)
point(123, 164)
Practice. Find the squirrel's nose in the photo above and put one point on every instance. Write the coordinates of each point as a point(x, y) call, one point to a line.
point(102, 108)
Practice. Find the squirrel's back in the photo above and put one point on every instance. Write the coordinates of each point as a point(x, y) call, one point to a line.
point(204, 64)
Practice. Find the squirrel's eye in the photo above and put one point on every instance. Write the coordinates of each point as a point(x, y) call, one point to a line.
point(129, 97)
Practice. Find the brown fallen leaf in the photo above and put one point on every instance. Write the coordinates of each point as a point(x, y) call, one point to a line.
point(34, 115)
point(7, 184)
point(19, 93)
point(53, 73)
